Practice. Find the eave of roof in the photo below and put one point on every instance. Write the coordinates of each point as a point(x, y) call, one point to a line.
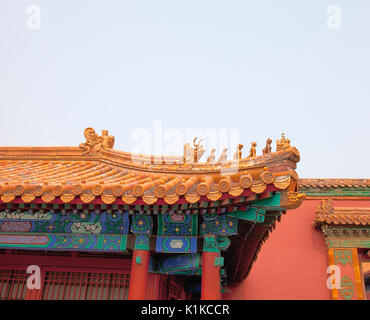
point(333, 183)
point(340, 219)
point(66, 173)
point(327, 214)
point(335, 188)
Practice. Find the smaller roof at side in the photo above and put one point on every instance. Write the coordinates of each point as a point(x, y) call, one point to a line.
point(333, 183)
point(328, 214)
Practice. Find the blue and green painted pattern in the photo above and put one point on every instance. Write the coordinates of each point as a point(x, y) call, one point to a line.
point(80, 242)
point(102, 230)
point(141, 226)
point(176, 223)
point(142, 241)
point(141, 223)
point(71, 221)
point(176, 244)
point(220, 225)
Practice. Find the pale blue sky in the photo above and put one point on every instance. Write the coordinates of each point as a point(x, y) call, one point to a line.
point(263, 67)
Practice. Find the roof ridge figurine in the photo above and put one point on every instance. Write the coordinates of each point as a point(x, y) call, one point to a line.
point(223, 156)
point(252, 151)
point(193, 154)
point(95, 143)
point(238, 152)
point(267, 149)
point(283, 143)
point(211, 158)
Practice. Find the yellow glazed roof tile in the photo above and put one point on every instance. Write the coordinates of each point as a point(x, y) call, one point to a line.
point(95, 169)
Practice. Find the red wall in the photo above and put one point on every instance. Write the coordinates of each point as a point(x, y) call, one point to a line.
point(291, 264)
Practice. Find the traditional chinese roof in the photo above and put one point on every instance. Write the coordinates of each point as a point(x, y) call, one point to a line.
point(327, 214)
point(335, 188)
point(341, 219)
point(95, 171)
point(343, 226)
point(333, 183)
point(95, 174)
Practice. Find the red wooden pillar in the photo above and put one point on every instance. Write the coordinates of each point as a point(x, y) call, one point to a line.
point(211, 286)
point(141, 226)
point(139, 275)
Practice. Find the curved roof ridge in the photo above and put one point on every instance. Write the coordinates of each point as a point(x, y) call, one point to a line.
point(333, 182)
point(147, 162)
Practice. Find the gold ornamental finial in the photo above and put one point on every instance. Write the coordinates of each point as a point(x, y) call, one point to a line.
point(267, 149)
point(291, 199)
point(108, 141)
point(238, 153)
point(94, 143)
point(211, 158)
point(223, 156)
point(252, 151)
point(283, 143)
point(193, 154)
point(326, 207)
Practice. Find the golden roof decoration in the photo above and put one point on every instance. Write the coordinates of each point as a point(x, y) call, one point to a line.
point(211, 158)
point(223, 156)
point(95, 171)
point(193, 154)
point(267, 149)
point(252, 151)
point(283, 143)
point(238, 152)
point(94, 143)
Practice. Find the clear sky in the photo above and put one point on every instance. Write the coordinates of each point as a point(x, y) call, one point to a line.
point(258, 68)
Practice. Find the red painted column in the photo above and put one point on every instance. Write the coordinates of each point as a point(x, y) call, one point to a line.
point(211, 287)
point(139, 275)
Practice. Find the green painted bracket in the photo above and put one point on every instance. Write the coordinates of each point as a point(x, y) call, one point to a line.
point(257, 209)
point(269, 204)
point(141, 246)
point(252, 214)
point(219, 262)
point(223, 243)
point(210, 244)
